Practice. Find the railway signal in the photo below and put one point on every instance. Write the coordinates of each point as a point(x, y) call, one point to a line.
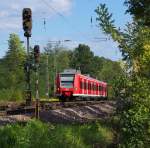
point(27, 21)
point(27, 27)
point(37, 54)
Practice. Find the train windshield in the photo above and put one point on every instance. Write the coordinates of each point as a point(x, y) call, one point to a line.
point(67, 80)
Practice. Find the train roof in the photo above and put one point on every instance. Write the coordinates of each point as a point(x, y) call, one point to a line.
point(87, 76)
point(90, 78)
point(71, 71)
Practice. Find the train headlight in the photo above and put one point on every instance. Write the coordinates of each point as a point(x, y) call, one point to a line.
point(76, 88)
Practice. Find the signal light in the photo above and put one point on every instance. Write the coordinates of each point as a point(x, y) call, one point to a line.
point(37, 53)
point(27, 21)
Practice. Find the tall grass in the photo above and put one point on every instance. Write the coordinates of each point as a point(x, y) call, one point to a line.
point(40, 135)
point(11, 95)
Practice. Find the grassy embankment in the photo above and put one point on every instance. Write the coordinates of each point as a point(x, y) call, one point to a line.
point(36, 134)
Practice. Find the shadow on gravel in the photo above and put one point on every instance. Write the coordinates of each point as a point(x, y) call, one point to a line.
point(79, 114)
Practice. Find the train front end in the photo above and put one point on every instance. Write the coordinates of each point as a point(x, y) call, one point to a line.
point(65, 84)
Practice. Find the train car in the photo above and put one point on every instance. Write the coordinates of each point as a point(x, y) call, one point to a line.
point(71, 84)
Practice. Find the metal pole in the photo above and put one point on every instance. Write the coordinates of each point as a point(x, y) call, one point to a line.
point(55, 64)
point(54, 69)
point(28, 97)
point(37, 93)
point(37, 61)
point(28, 47)
point(47, 77)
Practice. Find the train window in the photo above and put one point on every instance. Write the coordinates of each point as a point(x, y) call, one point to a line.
point(84, 85)
point(95, 86)
point(67, 80)
point(67, 84)
point(100, 88)
point(89, 86)
point(81, 84)
point(67, 77)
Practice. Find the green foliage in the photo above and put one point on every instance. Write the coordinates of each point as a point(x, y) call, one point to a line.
point(11, 70)
point(133, 42)
point(132, 90)
point(11, 95)
point(37, 134)
point(58, 60)
point(107, 23)
point(133, 111)
point(82, 58)
point(140, 10)
point(53, 60)
point(34, 134)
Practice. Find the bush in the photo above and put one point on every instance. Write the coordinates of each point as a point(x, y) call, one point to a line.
point(11, 94)
point(39, 135)
point(134, 114)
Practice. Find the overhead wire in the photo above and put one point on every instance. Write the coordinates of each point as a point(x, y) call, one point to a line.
point(64, 18)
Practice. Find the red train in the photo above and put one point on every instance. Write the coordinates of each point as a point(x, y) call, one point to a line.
point(71, 84)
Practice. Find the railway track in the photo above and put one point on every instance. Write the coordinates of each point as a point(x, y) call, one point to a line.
point(16, 109)
point(58, 105)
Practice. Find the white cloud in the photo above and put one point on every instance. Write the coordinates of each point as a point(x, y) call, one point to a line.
point(11, 10)
point(3, 13)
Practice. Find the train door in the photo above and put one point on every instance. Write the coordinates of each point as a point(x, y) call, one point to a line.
point(89, 88)
point(82, 86)
point(85, 85)
point(98, 93)
point(96, 89)
point(93, 88)
point(80, 92)
point(100, 89)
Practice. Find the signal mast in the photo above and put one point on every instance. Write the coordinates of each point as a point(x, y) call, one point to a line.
point(27, 27)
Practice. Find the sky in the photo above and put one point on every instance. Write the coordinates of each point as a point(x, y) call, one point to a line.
point(65, 20)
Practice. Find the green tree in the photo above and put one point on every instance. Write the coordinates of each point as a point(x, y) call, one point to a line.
point(140, 10)
point(12, 70)
point(82, 58)
point(97, 65)
point(134, 44)
point(58, 60)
